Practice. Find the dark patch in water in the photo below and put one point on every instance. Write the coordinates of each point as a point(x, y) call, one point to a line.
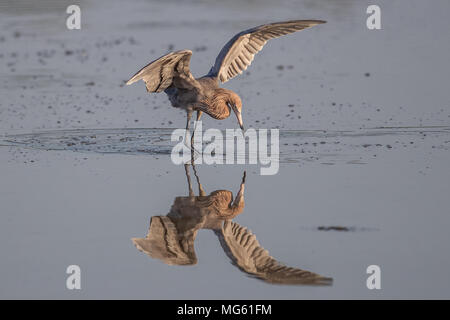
point(335, 228)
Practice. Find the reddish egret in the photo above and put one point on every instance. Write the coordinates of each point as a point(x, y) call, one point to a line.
point(171, 74)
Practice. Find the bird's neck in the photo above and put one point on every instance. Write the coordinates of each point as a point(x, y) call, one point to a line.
point(217, 104)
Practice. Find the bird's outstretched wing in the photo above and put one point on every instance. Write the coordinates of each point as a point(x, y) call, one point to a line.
point(169, 70)
point(239, 52)
point(246, 253)
point(164, 242)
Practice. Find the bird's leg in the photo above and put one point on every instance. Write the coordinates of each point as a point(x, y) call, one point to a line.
point(201, 192)
point(199, 115)
point(186, 134)
point(188, 121)
point(188, 176)
point(194, 153)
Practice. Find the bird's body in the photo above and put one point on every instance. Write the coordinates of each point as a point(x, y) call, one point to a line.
point(192, 99)
point(207, 97)
point(171, 74)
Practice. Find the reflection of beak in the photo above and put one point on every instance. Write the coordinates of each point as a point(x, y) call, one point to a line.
point(239, 117)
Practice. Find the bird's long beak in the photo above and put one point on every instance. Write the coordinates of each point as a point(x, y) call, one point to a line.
point(239, 117)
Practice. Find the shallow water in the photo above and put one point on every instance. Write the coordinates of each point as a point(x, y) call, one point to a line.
point(364, 152)
point(63, 207)
point(296, 146)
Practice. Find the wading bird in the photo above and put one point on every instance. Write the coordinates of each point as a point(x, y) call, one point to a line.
point(170, 238)
point(171, 73)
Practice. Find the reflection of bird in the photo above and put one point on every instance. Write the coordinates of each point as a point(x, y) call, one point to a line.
point(171, 238)
point(171, 73)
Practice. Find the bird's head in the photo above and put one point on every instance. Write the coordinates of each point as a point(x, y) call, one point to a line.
point(235, 103)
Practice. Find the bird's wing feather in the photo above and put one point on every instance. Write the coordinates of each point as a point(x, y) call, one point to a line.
point(164, 242)
point(239, 52)
point(169, 70)
point(243, 248)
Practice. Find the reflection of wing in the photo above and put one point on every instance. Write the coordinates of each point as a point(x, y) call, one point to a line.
point(171, 69)
point(239, 52)
point(164, 242)
point(246, 253)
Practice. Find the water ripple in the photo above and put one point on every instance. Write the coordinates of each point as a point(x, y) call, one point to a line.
point(327, 147)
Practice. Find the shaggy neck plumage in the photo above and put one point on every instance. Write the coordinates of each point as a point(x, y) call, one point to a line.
point(217, 106)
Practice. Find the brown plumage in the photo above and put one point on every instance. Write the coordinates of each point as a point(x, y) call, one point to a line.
point(171, 238)
point(171, 74)
point(245, 252)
